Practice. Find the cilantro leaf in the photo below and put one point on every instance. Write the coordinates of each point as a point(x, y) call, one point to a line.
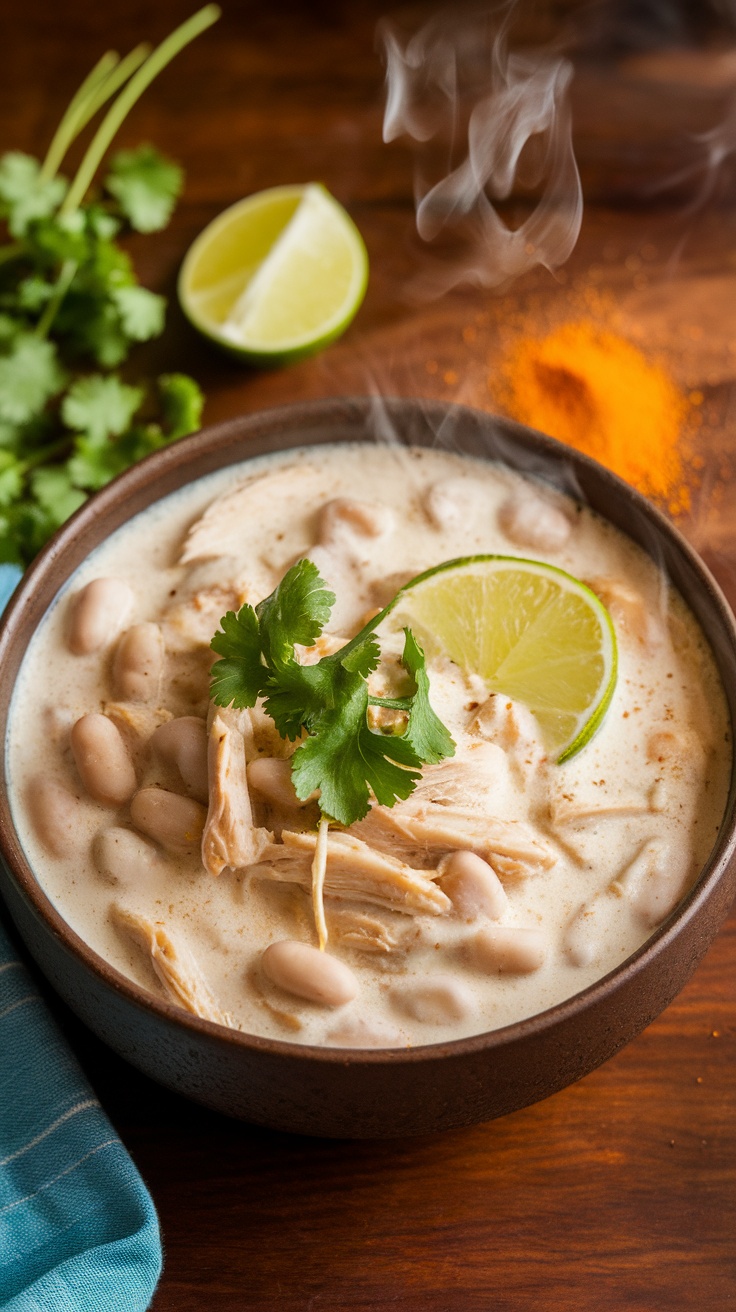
point(102, 224)
point(345, 761)
point(69, 294)
point(9, 329)
point(100, 407)
point(24, 194)
point(11, 478)
point(24, 527)
point(426, 733)
point(389, 782)
point(181, 404)
point(341, 758)
point(328, 761)
point(296, 695)
point(92, 464)
point(141, 312)
point(361, 657)
point(53, 490)
point(146, 185)
point(34, 292)
point(93, 328)
point(51, 241)
point(296, 612)
point(10, 436)
point(238, 677)
point(10, 552)
point(30, 375)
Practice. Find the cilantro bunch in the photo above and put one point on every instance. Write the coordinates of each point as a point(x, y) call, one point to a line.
point(341, 756)
point(71, 309)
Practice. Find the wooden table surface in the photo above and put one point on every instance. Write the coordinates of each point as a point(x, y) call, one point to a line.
point(619, 1193)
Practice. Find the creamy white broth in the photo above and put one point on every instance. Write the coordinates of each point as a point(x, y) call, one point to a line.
point(624, 827)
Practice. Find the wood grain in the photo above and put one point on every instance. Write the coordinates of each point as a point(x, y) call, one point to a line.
point(618, 1194)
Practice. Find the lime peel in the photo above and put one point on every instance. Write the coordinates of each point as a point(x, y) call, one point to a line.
point(532, 631)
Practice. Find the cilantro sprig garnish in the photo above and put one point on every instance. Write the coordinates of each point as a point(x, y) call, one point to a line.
point(342, 758)
point(70, 301)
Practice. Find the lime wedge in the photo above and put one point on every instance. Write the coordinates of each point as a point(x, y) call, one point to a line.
point(277, 276)
point(533, 632)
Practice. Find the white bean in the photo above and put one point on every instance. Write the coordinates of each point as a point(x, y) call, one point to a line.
point(306, 972)
point(182, 743)
point(659, 896)
point(272, 779)
point(436, 1001)
point(654, 881)
point(174, 821)
point(102, 759)
point(99, 612)
point(473, 887)
point(357, 1032)
point(530, 521)
point(124, 857)
point(449, 503)
point(585, 934)
point(508, 950)
point(360, 518)
point(139, 663)
point(55, 815)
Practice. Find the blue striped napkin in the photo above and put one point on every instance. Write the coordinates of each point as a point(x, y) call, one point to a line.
point(78, 1229)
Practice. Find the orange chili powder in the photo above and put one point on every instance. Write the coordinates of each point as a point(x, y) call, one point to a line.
point(592, 389)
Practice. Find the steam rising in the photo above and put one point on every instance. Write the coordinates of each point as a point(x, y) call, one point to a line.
point(518, 135)
point(717, 147)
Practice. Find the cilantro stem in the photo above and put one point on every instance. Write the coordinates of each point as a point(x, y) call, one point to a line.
point(45, 453)
point(67, 130)
point(393, 703)
point(63, 283)
point(117, 112)
point(319, 869)
point(91, 95)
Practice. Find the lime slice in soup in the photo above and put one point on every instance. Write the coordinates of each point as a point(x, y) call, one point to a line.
point(276, 276)
point(533, 632)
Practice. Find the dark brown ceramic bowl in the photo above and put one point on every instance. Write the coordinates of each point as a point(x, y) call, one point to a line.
point(372, 1093)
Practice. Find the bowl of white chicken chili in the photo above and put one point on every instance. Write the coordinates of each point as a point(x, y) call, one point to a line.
point(367, 787)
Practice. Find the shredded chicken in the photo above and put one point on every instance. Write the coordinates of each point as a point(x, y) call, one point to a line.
point(219, 531)
point(568, 810)
point(629, 610)
point(425, 832)
point(173, 963)
point(477, 778)
point(512, 727)
point(355, 872)
point(230, 840)
point(354, 928)
point(135, 720)
point(190, 621)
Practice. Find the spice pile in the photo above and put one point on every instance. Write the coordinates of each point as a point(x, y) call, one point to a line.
point(592, 389)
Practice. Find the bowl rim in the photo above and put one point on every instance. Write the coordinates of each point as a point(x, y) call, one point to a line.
point(216, 439)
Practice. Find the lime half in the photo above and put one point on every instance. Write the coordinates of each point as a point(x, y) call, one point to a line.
point(276, 276)
point(533, 632)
